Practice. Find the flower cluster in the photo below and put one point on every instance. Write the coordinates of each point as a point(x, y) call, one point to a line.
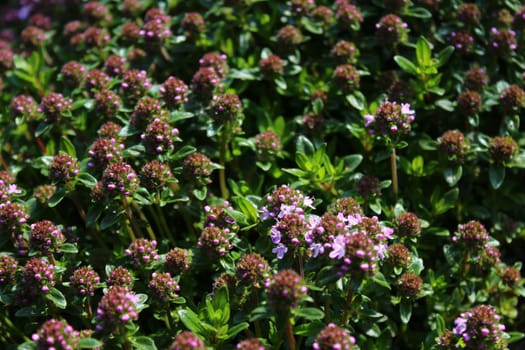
point(252, 270)
point(120, 178)
point(193, 25)
point(116, 308)
point(217, 61)
point(164, 287)
point(115, 66)
point(46, 237)
point(409, 285)
point(477, 328)
point(215, 240)
point(502, 148)
point(289, 37)
point(217, 215)
point(469, 102)
point(476, 79)
point(226, 109)
point(142, 252)
point(348, 15)
point(398, 255)
point(107, 102)
point(390, 119)
point(333, 337)
point(285, 290)
point(8, 267)
point(120, 276)
point(469, 14)
point(73, 73)
point(205, 82)
point(56, 334)
point(24, 106)
point(472, 234)
point(462, 41)
point(271, 66)
point(178, 260)
point(134, 84)
point(63, 168)
point(453, 145)
point(103, 152)
point(155, 175)
point(512, 98)
point(250, 344)
point(187, 341)
point(97, 79)
point(345, 52)
point(391, 30)
point(54, 105)
point(267, 145)
point(159, 137)
point(503, 42)
point(174, 92)
point(407, 225)
point(85, 280)
point(197, 168)
point(145, 111)
point(346, 78)
point(37, 278)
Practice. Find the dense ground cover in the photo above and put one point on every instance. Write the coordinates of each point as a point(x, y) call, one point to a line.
point(261, 174)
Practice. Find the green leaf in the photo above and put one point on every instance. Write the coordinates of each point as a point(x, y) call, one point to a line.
point(29, 311)
point(243, 74)
point(405, 311)
point(233, 331)
point(176, 116)
point(352, 161)
point(496, 175)
point(86, 179)
point(444, 203)
point(515, 336)
point(304, 146)
point(423, 52)
point(143, 343)
point(310, 329)
point(89, 343)
point(296, 172)
point(42, 128)
point(418, 12)
point(406, 64)
point(183, 152)
point(309, 313)
point(379, 279)
point(68, 248)
point(56, 297)
point(109, 220)
point(357, 100)
point(248, 209)
point(191, 321)
point(443, 56)
point(200, 192)
point(440, 323)
point(453, 174)
point(56, 198)
point(445, 104)
point(93, 214)
point(27, 346)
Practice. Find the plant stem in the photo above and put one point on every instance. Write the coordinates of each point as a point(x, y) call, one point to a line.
point(289, 334)
point(142, 217)
point(222, 171)
point(134, 229)
point(393, 169)
point(349, 298)
point(166, 229)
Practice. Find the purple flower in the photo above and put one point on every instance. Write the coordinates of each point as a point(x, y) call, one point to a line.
point(338, 248)
point(275, 235)
point(280, 250)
